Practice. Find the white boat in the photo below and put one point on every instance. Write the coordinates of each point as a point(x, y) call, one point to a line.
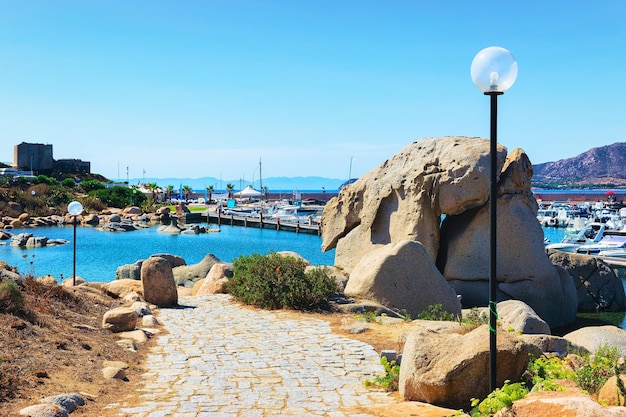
point(613, 253)
point(612, 240)
point(590, 234)
point(286, 214)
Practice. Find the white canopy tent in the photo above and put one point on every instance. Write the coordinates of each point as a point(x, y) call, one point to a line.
point(248, 192)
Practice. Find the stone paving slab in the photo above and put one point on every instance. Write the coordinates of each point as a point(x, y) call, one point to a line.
point(222, 360)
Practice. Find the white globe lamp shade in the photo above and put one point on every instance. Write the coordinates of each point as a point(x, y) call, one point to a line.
point(494, 70)
point(75, 208)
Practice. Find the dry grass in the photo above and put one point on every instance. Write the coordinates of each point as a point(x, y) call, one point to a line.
point(52, 343)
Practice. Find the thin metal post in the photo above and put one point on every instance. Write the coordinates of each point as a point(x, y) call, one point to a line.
point(493, 281)
point(74, 273)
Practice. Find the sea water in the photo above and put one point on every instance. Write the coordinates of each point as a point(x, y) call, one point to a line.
point(99, 253)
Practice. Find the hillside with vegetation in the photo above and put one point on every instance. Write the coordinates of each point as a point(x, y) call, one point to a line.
point(602, 167)
point(43, 195)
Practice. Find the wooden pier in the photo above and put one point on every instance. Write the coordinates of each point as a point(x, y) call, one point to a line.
point(255, 222)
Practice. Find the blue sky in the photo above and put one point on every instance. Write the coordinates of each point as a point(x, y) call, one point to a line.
point(207, 88)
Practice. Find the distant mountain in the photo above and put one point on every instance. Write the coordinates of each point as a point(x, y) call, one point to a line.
point(603, 167)
point(273, 183)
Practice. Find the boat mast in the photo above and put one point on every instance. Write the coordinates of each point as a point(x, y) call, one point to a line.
point(350, 172)
point(260, 176)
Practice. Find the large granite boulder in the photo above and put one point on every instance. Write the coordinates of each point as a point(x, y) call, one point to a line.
point(120, 319)
point(524, 271)
point(187, 275)
point(133, 271)
point(518, 316)
point(37, 242)
point(451, 369)
point(159, 287)
point(120, 288)
point(402, 276)
point(610, 393)
point(215, 281)
point(569, 403)
point(20, 239)
point(404, 197)
point(593, 337)
point(172, 228)
point(174, 260)
point(129, 271)
point(13, 209)
point(597, 286)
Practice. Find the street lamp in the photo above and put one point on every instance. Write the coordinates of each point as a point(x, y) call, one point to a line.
point(75, 209)
point(494, 71)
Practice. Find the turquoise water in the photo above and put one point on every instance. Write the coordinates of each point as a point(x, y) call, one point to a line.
point(98, 254)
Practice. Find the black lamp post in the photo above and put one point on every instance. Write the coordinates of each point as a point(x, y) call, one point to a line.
point(75, 209)
point(494, 71)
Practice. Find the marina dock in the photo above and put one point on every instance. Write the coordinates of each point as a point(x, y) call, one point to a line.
point(212, 217)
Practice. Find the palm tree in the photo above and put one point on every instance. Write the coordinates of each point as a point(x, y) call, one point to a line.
point(186, 191)
point(209, 191)
point(230, 187)
point(265, 191)
point(169, 189)
point(152, 187)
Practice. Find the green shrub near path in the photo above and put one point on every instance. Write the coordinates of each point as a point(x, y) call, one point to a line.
point(274, 281)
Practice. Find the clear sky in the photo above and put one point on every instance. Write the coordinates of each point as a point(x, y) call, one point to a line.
point(209, 88)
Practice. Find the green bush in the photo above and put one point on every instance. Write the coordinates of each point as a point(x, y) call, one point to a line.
point(598, 368)
point(43, 179)
point(11, 298)
point(276, 281)
point(91, 185)
point(68, 183)
point(498, 399)
point(544, 372)
point(437, 313)
point(119, 197)
point(389, 381)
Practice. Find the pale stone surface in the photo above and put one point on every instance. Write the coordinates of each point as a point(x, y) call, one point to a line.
point(552, 403)
point(518, 316)
point(111, 372)
point(524, 271)
point(450, 369)
point(122, 287)
point(133, 211)
point(216, 279)
point(553, 344)
point(44, 410)
point(405, 196)
point(402, 276)
point(159, 287)
point(592, 338)
point(138, 336)
point(69, 282)
point(48, 280)
point(609, 392)
point(339, 275)
point(120, 319)
point(293, 255)
point(187, 275)
point(69, 402)
point(149, 321)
